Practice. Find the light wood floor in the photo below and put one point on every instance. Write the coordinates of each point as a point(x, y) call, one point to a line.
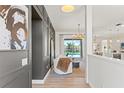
point(74, 80)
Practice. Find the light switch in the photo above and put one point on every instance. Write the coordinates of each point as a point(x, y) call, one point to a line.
point(24, 61)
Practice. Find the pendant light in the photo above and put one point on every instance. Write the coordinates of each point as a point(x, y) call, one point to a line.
point(79, 35)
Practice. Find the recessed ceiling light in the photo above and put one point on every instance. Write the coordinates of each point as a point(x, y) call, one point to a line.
point(68, 8)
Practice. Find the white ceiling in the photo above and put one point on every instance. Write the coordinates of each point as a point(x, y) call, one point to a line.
point(66, 21)
point(104, 19)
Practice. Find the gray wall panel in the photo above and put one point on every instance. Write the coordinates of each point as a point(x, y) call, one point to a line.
point(36, 48)
point(40, 42)
point(11, 69)
point(21, 80)
point(10, 60)
point(39, 50)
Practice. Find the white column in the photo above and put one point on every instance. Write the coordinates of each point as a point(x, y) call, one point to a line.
point(88, 40)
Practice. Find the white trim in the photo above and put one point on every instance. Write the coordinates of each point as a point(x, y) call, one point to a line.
point(43, 80)
point(37, 81)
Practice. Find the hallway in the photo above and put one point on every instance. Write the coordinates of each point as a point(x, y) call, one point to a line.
point(74, 80)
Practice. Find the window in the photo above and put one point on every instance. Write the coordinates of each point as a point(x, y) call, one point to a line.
point(72, 48)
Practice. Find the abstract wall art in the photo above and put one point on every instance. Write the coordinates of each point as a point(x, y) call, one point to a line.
point(13, 27)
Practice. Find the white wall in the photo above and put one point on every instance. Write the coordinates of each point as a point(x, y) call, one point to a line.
point(60, 35)
point(105, 72)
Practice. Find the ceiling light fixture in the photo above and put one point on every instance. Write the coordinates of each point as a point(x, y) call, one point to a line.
point(67, 8)
point(79, 35)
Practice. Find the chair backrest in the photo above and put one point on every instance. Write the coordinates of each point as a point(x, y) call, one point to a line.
point(57, 59)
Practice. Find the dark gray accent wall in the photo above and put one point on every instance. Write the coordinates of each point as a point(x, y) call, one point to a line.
point(52, 45)
point(40, 42)
point(12, 73)
point(39, 50)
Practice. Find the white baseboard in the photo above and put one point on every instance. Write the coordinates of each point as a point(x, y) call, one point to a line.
point(41, 81)
point(37, 81)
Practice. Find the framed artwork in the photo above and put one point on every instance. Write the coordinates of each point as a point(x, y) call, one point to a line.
point(13, 27)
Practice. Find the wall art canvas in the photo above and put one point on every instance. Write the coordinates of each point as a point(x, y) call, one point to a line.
point(13, 27)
